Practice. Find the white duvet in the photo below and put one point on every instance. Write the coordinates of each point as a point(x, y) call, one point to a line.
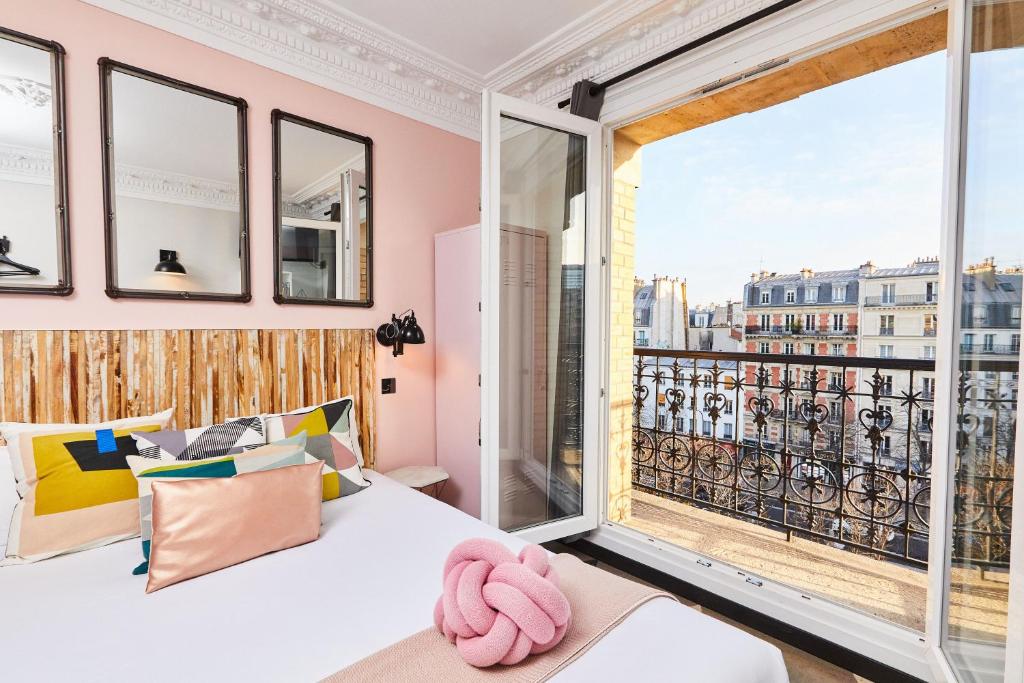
point(307, 612)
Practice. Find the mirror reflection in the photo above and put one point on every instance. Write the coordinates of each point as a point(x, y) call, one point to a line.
point(176, 182)
point(33, 222)
point(324, 232)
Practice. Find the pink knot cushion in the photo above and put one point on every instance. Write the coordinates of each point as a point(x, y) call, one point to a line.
point(498, 608)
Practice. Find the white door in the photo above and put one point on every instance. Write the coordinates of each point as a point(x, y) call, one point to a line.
point(976, 615)
point(541, 239)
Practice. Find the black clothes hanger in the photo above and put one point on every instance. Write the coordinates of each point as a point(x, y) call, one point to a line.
point(19, 269)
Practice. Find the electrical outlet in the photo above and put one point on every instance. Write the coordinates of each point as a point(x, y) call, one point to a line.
point(388, 385)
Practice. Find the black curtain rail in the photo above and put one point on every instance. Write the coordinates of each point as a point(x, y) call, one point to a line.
point(683, 49)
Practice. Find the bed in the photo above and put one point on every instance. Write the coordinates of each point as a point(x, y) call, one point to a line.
point(307, 612)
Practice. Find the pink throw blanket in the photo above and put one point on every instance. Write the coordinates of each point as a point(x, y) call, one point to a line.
point(599, 601)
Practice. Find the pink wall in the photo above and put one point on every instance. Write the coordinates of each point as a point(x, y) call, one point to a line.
point(425, 181)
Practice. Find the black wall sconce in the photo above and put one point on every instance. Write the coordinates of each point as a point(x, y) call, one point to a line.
point(400, 331)
point(169, 263)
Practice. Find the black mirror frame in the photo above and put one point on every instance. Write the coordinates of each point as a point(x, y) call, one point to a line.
point(276, 117)
point(64, 285)
point(107, 67)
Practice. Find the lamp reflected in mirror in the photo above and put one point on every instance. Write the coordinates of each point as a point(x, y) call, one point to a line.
point(169, 263)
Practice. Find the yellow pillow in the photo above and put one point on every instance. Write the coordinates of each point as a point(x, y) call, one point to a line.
point(76, 489)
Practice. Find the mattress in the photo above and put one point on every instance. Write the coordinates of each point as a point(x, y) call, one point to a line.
point(307, 612)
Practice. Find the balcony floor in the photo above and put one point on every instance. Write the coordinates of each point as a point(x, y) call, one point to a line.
point(890, 591)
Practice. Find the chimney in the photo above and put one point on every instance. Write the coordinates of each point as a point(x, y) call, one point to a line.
point(806, 273)
point(867, 269)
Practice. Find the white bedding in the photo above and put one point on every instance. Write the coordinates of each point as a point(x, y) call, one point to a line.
point(307, 612)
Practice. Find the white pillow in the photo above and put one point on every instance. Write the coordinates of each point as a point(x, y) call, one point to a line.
point(8, 496)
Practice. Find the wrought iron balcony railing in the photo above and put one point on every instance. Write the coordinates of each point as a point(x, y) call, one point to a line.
point(846, 463)
point(901, 300)
point(990, 349)
point(800, 331)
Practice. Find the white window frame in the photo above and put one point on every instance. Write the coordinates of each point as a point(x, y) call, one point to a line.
point(806, 29)
point(811, 294)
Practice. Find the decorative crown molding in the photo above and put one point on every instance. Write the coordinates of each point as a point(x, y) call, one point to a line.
point(26, 165)
point(139, 182)
point(320, 43)
point(35, 167)
point(613, 44)
point(30, 92)
point(326, 46)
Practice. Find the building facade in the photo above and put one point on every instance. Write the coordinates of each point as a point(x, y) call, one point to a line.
point(803, 314)
point(660, 315)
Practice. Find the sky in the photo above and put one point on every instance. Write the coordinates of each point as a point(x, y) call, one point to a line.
point(828, 181)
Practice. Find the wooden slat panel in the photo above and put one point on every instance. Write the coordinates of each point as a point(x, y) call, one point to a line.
point(206, 375)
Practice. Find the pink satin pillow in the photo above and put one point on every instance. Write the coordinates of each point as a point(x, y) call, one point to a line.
point(204, 525)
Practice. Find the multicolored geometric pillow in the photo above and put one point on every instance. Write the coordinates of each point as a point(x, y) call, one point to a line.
point(227, 438)
point(333, 438)
point(75, 486)
point(282, 453)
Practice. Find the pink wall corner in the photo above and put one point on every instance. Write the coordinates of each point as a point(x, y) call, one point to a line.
point(425, 181)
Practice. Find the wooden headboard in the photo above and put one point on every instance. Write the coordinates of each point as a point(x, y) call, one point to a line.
point(206, 375)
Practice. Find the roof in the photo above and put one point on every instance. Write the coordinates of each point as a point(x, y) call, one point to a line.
point(798, 278)
point(923, 268)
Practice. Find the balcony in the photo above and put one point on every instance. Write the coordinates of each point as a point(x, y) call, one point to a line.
point(901, 300)
point(990, 349)
point(799, 331)
point(836, 483)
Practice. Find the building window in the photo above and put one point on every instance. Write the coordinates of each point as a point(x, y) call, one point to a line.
point(662, 421)
point(837, 349)
point(790, 296)
point(728, 407)
point(927, 387)
point(705, 427)
point(887, 325)
point(727, 430)
point(810, 295)
point(885, 351)
point(838, 293)
point(1015, 316)
point(980, 315)
point(787, 347)
point(640, 339)
point(968, 342)
point(809, 322)
point(680, 424)
point(886, 388)
point(888, 294)
point(1014, 343)
point(931, 292)
point(989, 343)
point(707, 381)
point(885, 448)
point(835, 412)
point(764, 347)
point(766, 297)
point(926, 420)
point(809, 349)
point(931, 324)
point(766, 322)
point(789, 320)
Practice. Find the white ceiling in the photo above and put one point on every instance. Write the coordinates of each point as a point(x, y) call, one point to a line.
point(430, 59)
point(478, 35)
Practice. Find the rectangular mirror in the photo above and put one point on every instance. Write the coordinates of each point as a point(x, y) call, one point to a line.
point(34, 243)
point(175, 188)
point(323, 214)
